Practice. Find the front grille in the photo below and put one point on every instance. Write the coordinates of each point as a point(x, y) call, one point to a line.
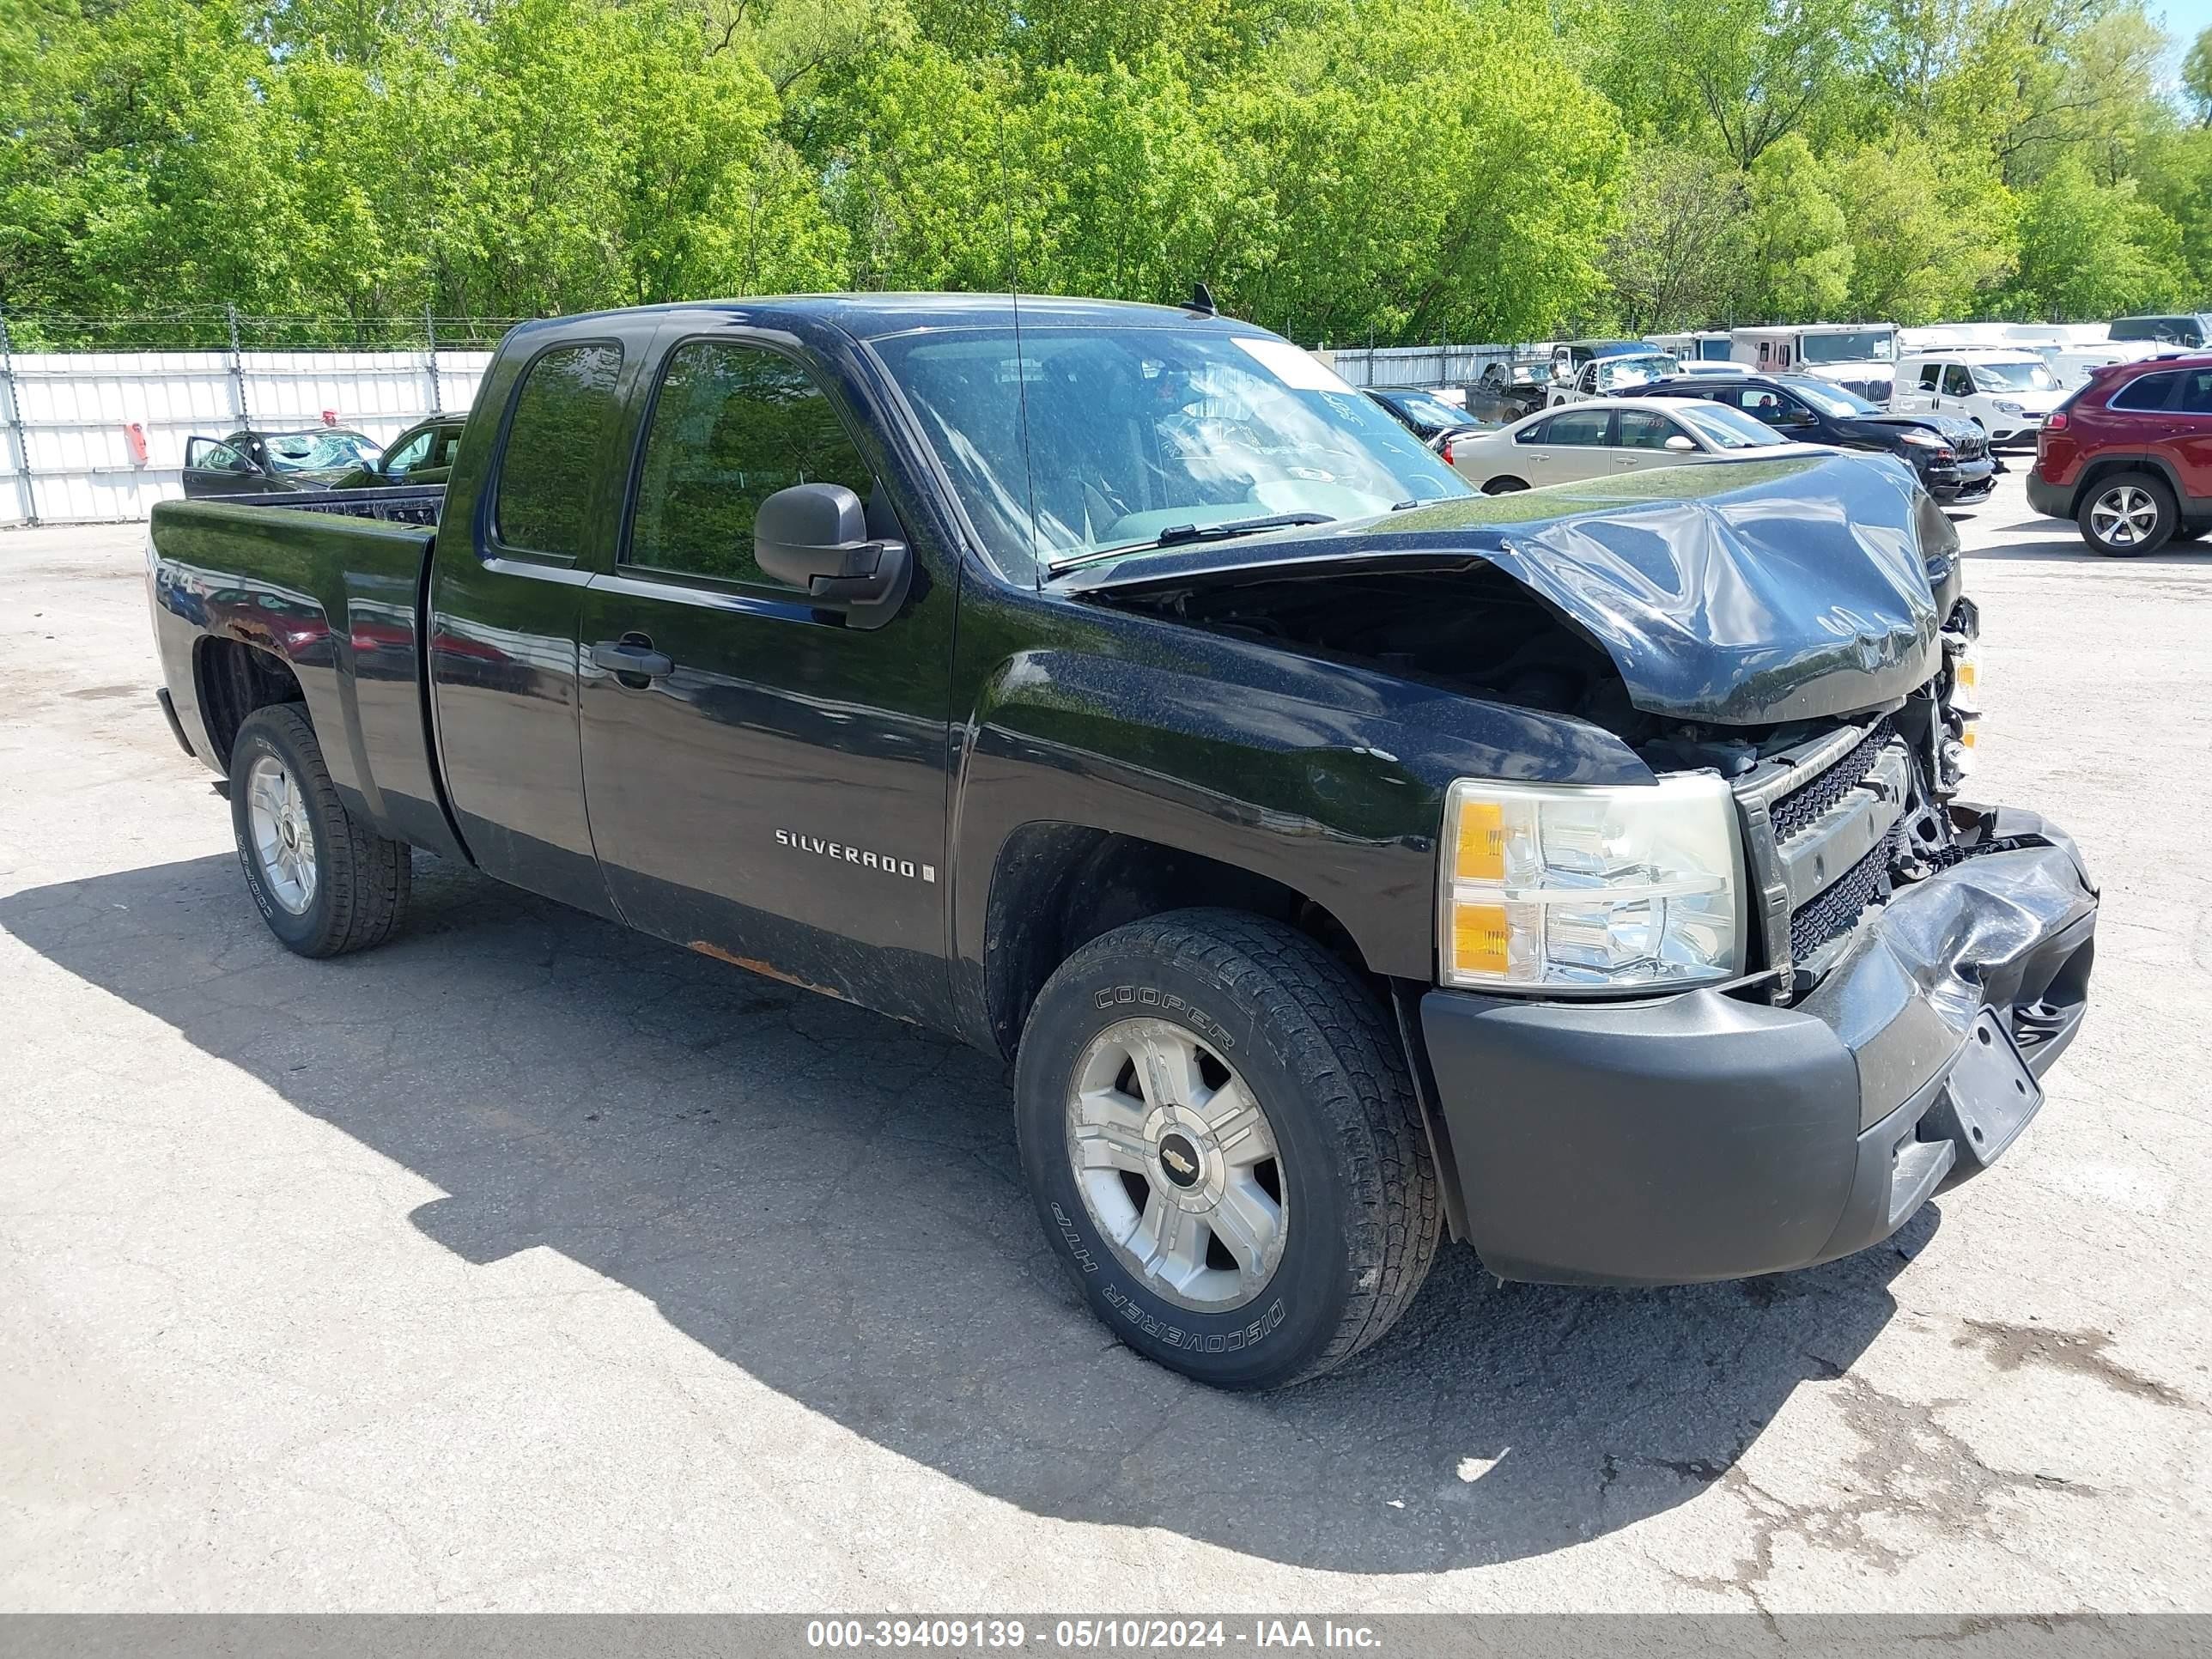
point(1971, 448)
point(1804, 828)
point(1805, 806)
point(1838, 906)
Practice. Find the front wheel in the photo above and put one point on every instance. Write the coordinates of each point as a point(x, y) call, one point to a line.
point(2127, 513)
point(1222, 1141)
point(324, 884)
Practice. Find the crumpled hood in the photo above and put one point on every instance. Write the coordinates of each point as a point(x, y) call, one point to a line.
point(1736, 592)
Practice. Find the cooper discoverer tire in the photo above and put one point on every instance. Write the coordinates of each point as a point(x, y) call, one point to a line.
point(1214, 1065)
point(324, 884)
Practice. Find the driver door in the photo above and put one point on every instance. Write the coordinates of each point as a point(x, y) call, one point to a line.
point(764, 783)
point(215, 468)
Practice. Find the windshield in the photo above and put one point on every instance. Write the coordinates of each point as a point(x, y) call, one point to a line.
point(2013, 377)
point(1831, 400)
point(1135, 434)
point(1856, 345)
point(1614, 372)
point(318, 452)
point(1420, 408)
point(1729, 428)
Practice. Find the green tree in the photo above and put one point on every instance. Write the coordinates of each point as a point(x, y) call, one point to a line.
point(1801, 254)
point(1678, 259)
point(2088, 250)
point(2196, 76)
point(1929, 238)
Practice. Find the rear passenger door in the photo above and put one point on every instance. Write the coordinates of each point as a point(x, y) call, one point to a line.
point(766, 785)
point(507, 582)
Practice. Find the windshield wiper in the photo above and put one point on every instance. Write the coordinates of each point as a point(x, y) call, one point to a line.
point(1177, 534)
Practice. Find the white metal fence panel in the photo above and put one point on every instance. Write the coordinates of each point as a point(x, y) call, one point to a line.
point(98, 436)
point(1421, 366)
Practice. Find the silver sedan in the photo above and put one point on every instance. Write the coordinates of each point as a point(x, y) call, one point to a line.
point(1601, 436)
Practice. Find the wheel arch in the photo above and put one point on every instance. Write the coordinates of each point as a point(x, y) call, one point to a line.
point(2106, 466)
point(1055, 886)
point(231, 679)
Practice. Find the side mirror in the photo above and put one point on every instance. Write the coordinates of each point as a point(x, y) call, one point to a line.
point(814, 537)
point(1681, 446)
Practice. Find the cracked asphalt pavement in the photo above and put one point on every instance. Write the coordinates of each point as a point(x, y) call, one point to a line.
point(527, 1264)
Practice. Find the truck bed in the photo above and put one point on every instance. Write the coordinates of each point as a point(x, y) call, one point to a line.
point(331, 582)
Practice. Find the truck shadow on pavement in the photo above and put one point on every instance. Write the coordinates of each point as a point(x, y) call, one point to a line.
point(831, 1200)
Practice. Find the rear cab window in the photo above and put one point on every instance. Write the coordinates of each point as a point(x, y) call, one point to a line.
point(564, 416)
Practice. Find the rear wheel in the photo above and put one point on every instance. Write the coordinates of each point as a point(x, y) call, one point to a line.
point(1502, 486)
point(324, 884)
point(1222, 1142)
point(2128, 513)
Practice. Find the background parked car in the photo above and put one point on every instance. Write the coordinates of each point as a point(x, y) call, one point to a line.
point(2005, 389)
point(1424, 414)
point(2193, 329)
point(1601, 436)
point(254, 463)
point(1607, 376)
point(1506, 392)
point(1948, 452)
point(423, 454)
point(2128, 457)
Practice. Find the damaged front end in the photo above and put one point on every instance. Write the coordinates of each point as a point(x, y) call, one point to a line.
point(1912, 964)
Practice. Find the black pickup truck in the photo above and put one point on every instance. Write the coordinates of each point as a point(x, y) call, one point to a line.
point(1346, 860)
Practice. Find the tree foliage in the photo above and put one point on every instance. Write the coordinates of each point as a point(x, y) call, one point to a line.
point(1341, 169)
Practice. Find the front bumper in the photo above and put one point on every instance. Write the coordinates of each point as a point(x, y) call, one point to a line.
point(1968, 481)
point(1702, 1136)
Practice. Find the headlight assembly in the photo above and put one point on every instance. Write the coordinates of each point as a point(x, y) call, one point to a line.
point(1923, 439)
point(1614, 887)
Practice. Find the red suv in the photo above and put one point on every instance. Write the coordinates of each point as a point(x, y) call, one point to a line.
point(2128, 457)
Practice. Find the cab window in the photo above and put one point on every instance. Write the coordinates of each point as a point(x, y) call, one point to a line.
point(206, 455)
point(2196, 391)
point(732, 424)
point(1931, 376)
point(1642, 429)
point(1958, 381)
point(1579, 427)
point(563, 421)
point(409, 455)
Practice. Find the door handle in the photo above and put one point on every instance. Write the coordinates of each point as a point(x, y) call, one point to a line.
point(632, 658)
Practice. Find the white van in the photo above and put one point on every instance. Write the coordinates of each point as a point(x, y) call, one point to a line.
point(2005, 390)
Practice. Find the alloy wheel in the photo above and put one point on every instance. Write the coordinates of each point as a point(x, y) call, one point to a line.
point(1177, 1164)
point(283, 840)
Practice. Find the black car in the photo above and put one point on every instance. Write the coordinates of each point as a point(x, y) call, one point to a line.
point(260, 463)
point(1951, 455)
point(1424, 414)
